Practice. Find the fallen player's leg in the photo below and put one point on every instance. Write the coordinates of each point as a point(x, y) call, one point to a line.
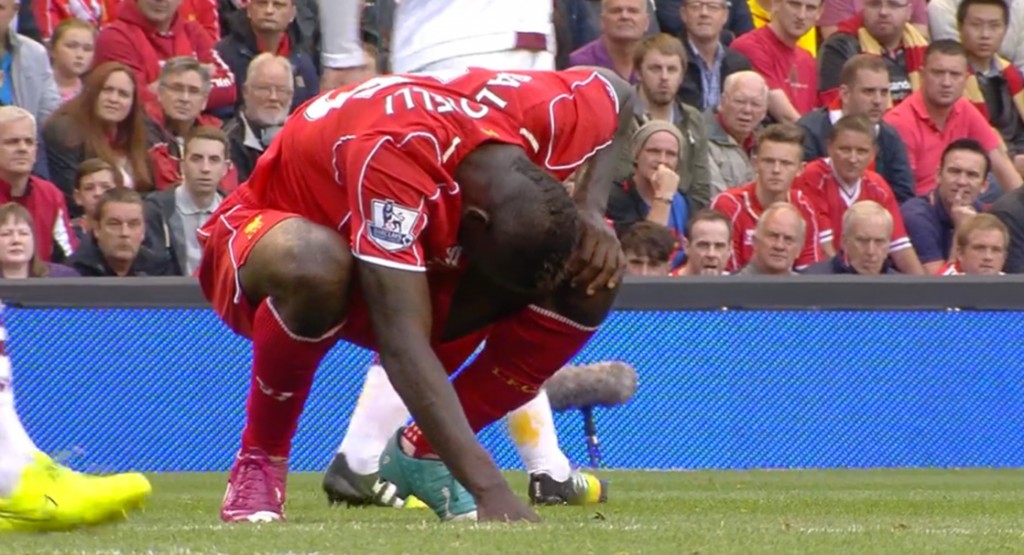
point(295, 273)
point(39, 495)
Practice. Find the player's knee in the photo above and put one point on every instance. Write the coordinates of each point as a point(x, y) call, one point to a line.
point(306, 269)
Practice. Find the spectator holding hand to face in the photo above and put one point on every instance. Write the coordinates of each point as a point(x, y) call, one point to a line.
point(932, 220)
point(652, 193)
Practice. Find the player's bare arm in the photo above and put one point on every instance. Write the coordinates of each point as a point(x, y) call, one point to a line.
point(599, 262)
point(402, 323)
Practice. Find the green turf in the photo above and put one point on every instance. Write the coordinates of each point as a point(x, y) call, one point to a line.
point(880, 511)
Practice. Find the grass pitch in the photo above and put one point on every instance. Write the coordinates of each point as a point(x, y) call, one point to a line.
point(878, 511)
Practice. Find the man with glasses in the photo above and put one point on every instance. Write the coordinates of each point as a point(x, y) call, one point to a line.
point(882, 28)
point(268, 26)
point(266, 97)
point(731, 128)
point(710, 60)
point(182, 93)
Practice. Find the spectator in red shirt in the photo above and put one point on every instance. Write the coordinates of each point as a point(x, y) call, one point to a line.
point(184, 88)
point(982, 243)
point(105, 121)
point(777, 162)
point(842, 179)
point(790, 71)
point(55, 239)
point(149, 32)
point(51, 13)
point(72, 49)
point(19, 257)
point(935, 116)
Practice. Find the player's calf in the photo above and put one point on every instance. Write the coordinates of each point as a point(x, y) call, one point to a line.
point(298, 276)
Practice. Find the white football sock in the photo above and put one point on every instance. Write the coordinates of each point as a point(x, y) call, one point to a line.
point(378, 414)
point(16, 449)
point(532, 429)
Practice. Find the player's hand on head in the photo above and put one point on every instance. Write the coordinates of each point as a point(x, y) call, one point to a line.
point(598, 261)
point(503, 506)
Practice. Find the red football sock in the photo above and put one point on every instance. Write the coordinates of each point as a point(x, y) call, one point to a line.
point(283, 366)
point(521, 353)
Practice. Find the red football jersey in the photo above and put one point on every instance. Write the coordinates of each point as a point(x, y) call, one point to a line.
point(376, 161)
point(820, 183)
point(741, 206)
point(564, 116)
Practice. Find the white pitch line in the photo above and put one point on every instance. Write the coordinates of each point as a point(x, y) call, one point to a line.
point(846, 530)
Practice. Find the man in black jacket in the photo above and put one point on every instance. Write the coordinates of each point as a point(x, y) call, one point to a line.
point(114, 248)
point(267, 26)
point(711, 61)
point(266, 98)
point(867, 233)
point(864, 91)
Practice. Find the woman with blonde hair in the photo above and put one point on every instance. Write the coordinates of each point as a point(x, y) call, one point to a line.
point(71, 51)
point(18, 258)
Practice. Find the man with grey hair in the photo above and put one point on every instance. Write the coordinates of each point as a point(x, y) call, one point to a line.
point(183, 90)
point(267, 97)
point(731, 127)
point(268, 27)
point(55, 238)
point(867, 231)
point(778, 238)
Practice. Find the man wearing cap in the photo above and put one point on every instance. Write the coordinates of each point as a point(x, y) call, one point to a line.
point(652, 192)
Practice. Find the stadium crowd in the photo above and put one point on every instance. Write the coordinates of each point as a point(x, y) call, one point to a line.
point(785, 137)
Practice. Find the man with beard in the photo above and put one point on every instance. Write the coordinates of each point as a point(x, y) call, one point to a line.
point(267, 96)
point(660, 64)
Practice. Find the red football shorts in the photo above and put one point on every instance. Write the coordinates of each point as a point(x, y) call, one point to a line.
point(229, 236)
point(227, 239)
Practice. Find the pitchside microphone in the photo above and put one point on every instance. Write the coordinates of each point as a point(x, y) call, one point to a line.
point(603, 384)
